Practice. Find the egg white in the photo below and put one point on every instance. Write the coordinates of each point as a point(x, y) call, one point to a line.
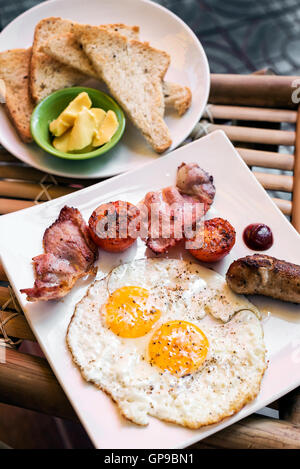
point(230, 375)
point(182, 285)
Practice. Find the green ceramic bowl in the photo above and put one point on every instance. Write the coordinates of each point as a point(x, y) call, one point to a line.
point(51, 107)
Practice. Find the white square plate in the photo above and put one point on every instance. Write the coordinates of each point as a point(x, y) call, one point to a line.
point(241, 200)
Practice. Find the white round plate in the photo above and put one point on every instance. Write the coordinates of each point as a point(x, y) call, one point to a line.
point(163, 30)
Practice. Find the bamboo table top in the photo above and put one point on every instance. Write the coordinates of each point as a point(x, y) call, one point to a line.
point(257, 114)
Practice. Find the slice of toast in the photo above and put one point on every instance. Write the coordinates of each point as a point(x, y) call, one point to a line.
point(65, 49)
point(47, 74)
point(14, 71)
point(133, 72)
point(177, 97)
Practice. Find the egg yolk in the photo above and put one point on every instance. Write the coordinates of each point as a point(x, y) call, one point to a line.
point(179, 347)
point(130, 312)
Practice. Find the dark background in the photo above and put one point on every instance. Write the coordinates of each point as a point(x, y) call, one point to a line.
point(239, 36)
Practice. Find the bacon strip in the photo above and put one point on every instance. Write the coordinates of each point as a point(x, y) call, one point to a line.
point(193, 186)
point(158, 212)
point(69, 255)
point(194, 181)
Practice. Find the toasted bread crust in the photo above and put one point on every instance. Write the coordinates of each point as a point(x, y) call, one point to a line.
point(66, 49)
point(47, 74)
point(133, 71)
point(177, 96)
point(14, 70)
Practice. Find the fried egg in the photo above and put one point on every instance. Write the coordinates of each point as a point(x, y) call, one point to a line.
point(167, 338)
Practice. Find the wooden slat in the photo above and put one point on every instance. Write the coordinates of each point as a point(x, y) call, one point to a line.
point(256, 114)
point(4, 295)
point(13, 205)
point(7, 157)
point(17, 327)
point(255, 135)
point(10, 171)
point(267, 159)
point(253, 90)
point(284, 205)
point(27, 381)
point(18, 171)
point(296, 188)
point(3, 276)
point(275, 182)
point(263, 71)
point(255, 432)
point(25, 190)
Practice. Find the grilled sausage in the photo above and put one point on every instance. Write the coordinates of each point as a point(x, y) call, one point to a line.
point(265, 275)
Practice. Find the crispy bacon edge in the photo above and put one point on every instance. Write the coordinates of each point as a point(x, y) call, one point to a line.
point(43, 289)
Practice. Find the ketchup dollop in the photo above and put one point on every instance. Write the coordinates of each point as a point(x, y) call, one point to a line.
point(258, 237)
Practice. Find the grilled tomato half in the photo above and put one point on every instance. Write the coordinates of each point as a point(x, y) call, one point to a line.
point(215, 241)
point(113, 225)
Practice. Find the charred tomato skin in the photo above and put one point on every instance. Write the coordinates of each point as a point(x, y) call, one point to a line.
point(123, 213)
point(218, 240)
